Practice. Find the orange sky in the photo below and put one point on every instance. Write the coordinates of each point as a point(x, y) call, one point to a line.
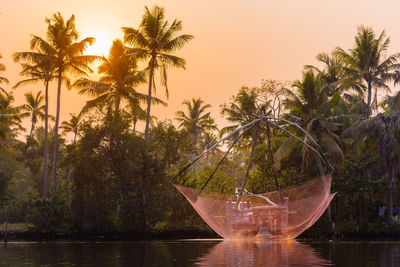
point(236, 43)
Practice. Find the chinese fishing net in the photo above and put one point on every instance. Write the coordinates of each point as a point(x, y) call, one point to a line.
point(282, 214)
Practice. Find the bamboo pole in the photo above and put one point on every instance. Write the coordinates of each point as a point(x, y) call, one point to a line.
point(249, 165)
point(272, 157)
point(6, 223)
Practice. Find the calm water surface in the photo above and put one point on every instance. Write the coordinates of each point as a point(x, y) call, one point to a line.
point(202, 253)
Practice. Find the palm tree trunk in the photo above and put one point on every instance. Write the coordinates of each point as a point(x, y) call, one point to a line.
point(46, 142)
point(390, 194)
point(134, 124)
point(146, 132)
point(54, 170)
point(69, 168)
point(32, 127)
point(368, 111)
point(6, 223)
point(21, 171)
point(117, 104)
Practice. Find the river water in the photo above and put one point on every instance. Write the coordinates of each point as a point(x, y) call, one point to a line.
point(201, 253)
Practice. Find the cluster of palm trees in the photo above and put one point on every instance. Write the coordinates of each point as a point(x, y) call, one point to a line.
point(61, 56)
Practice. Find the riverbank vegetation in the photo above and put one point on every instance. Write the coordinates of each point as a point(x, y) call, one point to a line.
point(96, 173)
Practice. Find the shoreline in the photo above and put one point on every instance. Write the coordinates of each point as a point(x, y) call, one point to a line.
point(182, 234)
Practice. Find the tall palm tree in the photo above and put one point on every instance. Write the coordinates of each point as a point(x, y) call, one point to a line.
point(2, 79)
point(311, 108)
point(117, 83)
point(66, 56)
point(39, 68)
point(155, 40)
point(367, 63)
point(196, 121)
point(34, 109)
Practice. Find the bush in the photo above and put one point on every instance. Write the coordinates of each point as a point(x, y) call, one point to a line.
point(52, 215)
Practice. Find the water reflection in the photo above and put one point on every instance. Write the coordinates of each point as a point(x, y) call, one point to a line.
point(284, 253)
point(201, 253)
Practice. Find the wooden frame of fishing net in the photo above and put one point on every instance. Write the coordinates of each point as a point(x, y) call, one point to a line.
point(282, 214)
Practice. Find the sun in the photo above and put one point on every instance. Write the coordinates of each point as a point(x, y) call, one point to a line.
point(102, 45)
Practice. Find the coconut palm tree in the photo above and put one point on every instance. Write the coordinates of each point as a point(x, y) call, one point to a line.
point(331, 73)
point(135, 112)
point(38, 69)
point(391, 104)
point(367, 63)
point(34, 109)
point(2, 79)
point(72, 126)
point(119, 77)
point(117, 83)
point(196, 121)
point(386, 129)
point(242, 110)
point(66, 56)
point(155, 40)
point(10, 120)
point(311, 109)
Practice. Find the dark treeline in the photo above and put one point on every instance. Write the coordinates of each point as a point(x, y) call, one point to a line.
point(108, 177)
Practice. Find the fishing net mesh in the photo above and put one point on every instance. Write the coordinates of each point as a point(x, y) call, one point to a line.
point(283, 214)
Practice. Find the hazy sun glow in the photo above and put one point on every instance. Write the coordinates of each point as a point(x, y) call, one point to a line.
point(103, 42)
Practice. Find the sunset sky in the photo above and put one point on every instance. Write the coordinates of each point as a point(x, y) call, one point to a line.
point(236, 43)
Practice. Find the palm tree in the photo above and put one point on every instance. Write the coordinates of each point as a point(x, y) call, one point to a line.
point(331, 74)
point(72, 126)
point(386, 129)
point(2, 79)
point(311, 109)
point(355, 104)
point(366, 63)
point(10, 120)
point(242, 110)
point(66, 56)
point(39, 68)
point(135, 112)
point(117, 83)
point(196, 121)
point(391, 104)
point(33, 109)
point(154, 41)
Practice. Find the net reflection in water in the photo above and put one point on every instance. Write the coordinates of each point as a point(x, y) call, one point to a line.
point(252, 254)
point(284, 214)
